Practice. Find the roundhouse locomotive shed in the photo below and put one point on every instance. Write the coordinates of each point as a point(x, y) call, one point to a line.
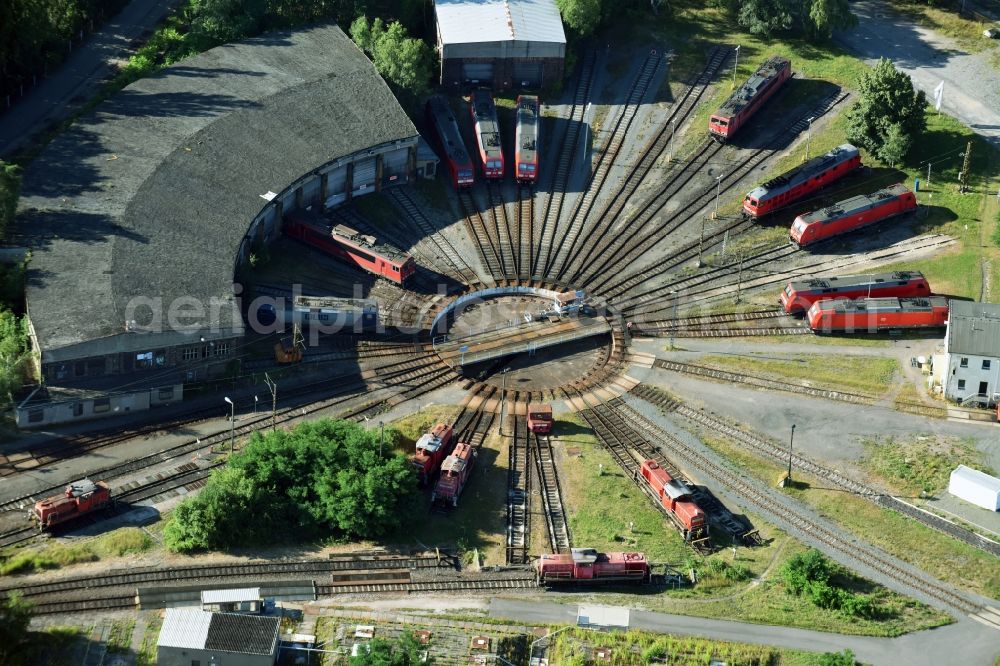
point(157, 198)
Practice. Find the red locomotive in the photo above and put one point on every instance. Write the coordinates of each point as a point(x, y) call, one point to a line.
point(526, 152)
point(484, 119)
point(735, 111)
point(79, 499)
point(674, 496)
point(455, 471)
point(540, 418)
point(870, 315)
point(456, 157)
point(800, 181)
point(799, 296)
point(586, 565)
point(432, 448)
point(854, 213)
point(351, 246)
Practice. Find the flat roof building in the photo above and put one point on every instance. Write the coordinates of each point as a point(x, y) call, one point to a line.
point(191, 635)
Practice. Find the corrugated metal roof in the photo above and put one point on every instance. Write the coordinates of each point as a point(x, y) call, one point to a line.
point(230, 596)
point(185, 628)
point(245, 634)
point(974, 328)
point(981, 479)
point(472, 21)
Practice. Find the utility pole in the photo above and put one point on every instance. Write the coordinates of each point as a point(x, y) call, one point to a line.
point(701, 241)
point(718, 191)
point(790, 440)
point(928, 172)
point(735, 63)
point(232, 423)
point(503, 396)
point(273, 387)
point(381, 437)
point(809, 133)
point(739, 281)
point(963, 176)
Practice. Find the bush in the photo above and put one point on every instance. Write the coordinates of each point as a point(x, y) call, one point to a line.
point(13, 353)
point(10, 190)
point(810, 573)
point(405, 63)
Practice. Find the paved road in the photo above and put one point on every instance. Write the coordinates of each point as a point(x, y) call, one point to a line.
point(971, 85)
point(79, 77)
point(964, 642)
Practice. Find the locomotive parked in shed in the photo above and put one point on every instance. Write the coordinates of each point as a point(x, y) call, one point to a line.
point(804, 179)
point(799, 295)
point(487, 128)
point(870, 315)
point(455, 472)
point(332, 312)
point(540, 418)
point(586, 565)
point(675, 497)
point(78, 499)
point(748, 98)
point(431, 449)
point(526, 140)
point(449, 139)
point(850, 214)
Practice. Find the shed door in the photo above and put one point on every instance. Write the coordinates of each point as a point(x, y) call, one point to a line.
point(364, 176)
point(528, 73)
point(336, 187)
point(394, 165)
point(478, 71)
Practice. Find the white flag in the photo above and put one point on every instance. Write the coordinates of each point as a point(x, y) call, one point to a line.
point(938, 96)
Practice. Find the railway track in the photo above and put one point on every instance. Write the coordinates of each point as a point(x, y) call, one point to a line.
point(487, 242)
point(519, 494)
point(526, 230)
point(505, 235)
point(412, 587)
point(556, 523)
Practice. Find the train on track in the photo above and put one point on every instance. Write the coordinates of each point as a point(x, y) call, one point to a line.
point(449, 141)
point(330, 312)
point(353, 247)
point(540, 418)
point(78, 499)
point(801, 181)
point(526, 139)
point(870, 315)
point(675, 497)
point(799, 295)
point(851, 214)
point(487, 128)
point(586, 565)
point(749, 98)
point(431, 449)
point(455, 472)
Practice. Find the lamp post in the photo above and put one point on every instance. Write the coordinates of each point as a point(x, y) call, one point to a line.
point(673, 319)
point(503, 396)
point(735, 63)
point(790, 440)
point(232, 423)
point(256, 399)
point(673, 130)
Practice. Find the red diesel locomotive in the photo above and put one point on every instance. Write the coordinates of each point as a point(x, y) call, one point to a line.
point(540, 418)
point(484, 120)
point(455, 471)
point(735, 111)
point(449, 139)
point(850, 214)
point(800, 295)
point(526, 138)
point(586, 565)
point(79, 499)
point(432, 448)
point(350, 246)
point(800, 181)
point(870, 315)
point(675, 497)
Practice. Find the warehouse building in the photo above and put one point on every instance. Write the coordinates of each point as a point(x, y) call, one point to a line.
point(502, 44)
point(971, 360)
point(193, 637)
point(142, 214)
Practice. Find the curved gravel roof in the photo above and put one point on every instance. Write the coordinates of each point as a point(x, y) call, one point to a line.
point(151, 194)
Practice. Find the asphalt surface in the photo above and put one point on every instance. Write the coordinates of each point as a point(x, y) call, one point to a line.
point(971, 84)
point(79, 77)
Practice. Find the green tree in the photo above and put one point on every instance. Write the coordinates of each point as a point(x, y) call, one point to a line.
point(404, 62)
point(220, 21)
point(404, 651)
point(895, 145)
point(13, 353)
point(10, 190)
point(825, 16)
point(15, 615)
point(845, 658)
point(581, 16)
point(804, 569)
point(763, 17)
point(887, 98)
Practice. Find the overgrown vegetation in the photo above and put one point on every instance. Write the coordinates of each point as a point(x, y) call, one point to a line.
point(816, 19)
point(120, 637)
point(920, 465)
point(812, 575)
point(404, 651)
point(124, 541)
point(15, 615)
point(404, 62)
point(889, 116)
point(865, 374)
point(322, 479)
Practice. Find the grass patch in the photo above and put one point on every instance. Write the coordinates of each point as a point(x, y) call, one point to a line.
point(910, 399)
point(147, 651)
point(823, 340)
point(968, 33)
point(413, 426)
point(120, 542)
point(120, 636)
point(922, 464)
point(865, 374)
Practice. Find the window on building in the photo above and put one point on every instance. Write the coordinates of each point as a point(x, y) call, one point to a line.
point(190, 353)
point(961, 384)
point(963, 363)
point(986, 364)
point(221, 348)
point(36, 415)
point(102, 405)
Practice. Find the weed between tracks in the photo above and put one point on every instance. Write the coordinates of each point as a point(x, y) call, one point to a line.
point(870, 375)
point(120, 636)
point(124, 541)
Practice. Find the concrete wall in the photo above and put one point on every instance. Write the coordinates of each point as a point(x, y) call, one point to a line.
point(453, 78)
point(170, 656)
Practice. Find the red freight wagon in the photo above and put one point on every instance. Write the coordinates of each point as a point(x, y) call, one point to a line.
point(432, 448)
point(449, 140)
point(851, 214)
point(526, 152)
point(484, 119)
point(540, 418)
point(799, 295)
point(801, 181)
point(674, 496)
point(586, 565)
point(79, 498)
point(736, 111)
point(870, 315)
point(455, 471)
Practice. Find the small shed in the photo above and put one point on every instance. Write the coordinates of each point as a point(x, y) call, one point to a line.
point(242, 600)
point(193, 636)
point(593, 616)
point(975, 487)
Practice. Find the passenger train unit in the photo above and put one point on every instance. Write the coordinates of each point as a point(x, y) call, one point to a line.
point(871, 315)
point(484, 120)
point(449, 139)
point(526, 138)
point(748, 98)
point(850, 214)
point(801, 181)
point(799, 295)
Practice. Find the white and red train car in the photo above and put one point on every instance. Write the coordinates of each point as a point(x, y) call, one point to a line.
point(449, 140)
point(801, 181)
point(871, 315)
point(749, 97)
point(675, 497)
point(455, 472)
point(799, 295)
point(850, 214)
point(526, 138)
point(586, 565)
point(431, 449)
point(351, 246)
point(540, 418)
point(487, 128)
point(78, 499)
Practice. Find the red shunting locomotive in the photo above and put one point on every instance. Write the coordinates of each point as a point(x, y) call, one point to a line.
point(432, 448)
point(78, 499)
point(586, 565)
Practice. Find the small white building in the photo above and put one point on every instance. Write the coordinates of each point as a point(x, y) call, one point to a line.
point(975, 487)
point(971, 367)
